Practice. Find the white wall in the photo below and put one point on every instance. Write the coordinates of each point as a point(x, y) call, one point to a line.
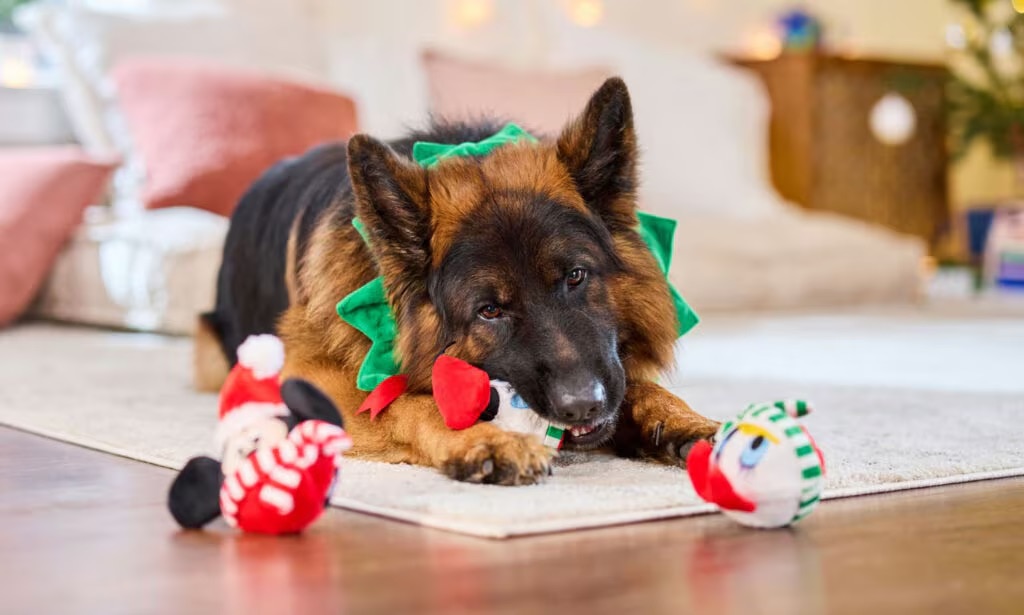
point(900, 28)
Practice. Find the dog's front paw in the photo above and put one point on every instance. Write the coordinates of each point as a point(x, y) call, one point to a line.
point(486, 454)
point(670, 438)
point(658, 425)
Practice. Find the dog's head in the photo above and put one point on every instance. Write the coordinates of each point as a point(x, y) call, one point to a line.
point(526, 263)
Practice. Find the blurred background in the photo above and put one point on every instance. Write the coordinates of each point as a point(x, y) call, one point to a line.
point(817, 154)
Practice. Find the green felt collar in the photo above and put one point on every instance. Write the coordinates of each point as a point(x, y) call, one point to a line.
point(367, 308)
point(428, 154)
point(658, 233)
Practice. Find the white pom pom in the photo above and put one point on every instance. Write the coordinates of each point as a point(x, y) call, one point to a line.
point(263, 354)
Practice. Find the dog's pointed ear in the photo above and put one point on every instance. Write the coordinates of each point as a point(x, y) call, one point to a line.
point(308, 403)
point(194, 498)
point(392, 203)
point(599, 150)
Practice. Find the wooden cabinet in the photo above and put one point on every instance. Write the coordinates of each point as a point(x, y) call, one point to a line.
point(825, 156)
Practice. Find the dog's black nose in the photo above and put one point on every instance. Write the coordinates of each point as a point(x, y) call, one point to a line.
point(577, 399)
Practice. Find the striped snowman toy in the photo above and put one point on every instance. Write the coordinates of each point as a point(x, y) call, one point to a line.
point(764, 469)
point(280, 445)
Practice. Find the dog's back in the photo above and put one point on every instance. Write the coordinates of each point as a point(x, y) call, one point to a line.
point(269, 233)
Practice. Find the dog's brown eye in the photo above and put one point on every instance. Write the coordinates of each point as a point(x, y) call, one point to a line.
point(489, 312)
point(576, 276)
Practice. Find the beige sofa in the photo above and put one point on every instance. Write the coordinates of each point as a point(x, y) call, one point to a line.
point(701, 125)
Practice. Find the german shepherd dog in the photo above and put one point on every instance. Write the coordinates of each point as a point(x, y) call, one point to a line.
point(525, 262)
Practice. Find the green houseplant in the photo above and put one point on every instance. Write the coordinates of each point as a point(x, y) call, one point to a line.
point(986, 93)
point(6, 11)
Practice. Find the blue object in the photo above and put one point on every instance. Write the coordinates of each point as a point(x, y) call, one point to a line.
point(979, 221)
point(752, 454)
point(1011, 270)
point(800, 29)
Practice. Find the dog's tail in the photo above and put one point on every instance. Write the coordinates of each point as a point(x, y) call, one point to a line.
point(210, 366)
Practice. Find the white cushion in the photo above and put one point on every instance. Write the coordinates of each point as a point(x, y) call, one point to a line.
point(702, 125)
point(793, 259)
point(152, 272)
point(373, 54)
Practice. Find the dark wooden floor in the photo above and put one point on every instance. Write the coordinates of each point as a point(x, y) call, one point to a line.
point(83, 532)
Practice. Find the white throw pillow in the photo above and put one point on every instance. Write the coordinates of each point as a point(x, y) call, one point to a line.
point(702, 125)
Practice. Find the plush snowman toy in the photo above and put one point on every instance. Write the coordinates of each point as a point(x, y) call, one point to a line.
point(510, 412)
point(764, 470)
point(467, 395)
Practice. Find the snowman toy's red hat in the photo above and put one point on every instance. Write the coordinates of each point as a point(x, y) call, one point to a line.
point(252, 391)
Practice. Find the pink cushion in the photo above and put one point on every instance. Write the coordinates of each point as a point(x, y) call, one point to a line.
point(540, 101)
point(43, 192)
point(205, 133)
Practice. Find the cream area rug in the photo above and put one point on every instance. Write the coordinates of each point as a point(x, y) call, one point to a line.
point(903, 400)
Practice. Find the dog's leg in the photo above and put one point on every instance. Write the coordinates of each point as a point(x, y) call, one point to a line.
point(209, 365)
point(656, 424)
point(411, 430)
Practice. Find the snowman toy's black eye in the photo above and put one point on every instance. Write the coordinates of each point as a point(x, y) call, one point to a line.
point(754, 452)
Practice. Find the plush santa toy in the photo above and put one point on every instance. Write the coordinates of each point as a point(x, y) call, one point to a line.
point(280, 445)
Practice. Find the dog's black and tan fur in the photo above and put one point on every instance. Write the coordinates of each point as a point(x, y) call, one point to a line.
point(525, 262)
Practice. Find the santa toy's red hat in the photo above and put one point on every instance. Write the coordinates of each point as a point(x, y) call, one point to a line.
point(252, 391)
